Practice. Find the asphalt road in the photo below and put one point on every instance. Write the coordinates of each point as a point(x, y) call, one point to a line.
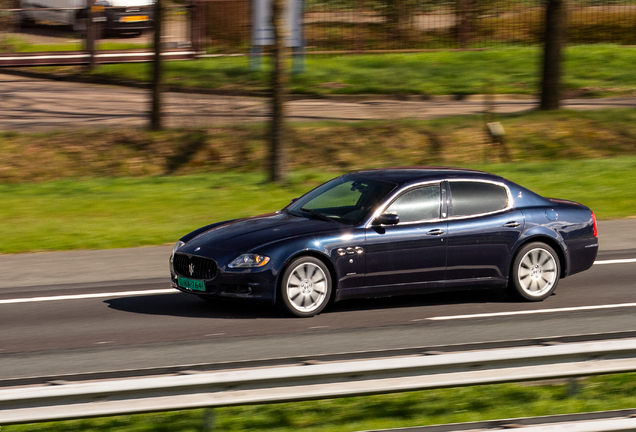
point(30, 104)
point(111, 310)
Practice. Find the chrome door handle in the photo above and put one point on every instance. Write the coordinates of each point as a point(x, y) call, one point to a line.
point(435, 232)
point(512, 224)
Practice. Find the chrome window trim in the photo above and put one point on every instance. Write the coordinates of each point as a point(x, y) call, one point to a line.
point(400, 192)
point(496, 183)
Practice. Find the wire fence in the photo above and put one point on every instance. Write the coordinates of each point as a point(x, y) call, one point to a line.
point(224, 26)
point(378, 25)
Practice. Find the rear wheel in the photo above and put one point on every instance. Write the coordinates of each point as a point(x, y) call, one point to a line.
point(535, 272)
point(305, 287)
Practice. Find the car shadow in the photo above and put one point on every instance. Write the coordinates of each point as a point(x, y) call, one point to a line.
point(189, 306)
point(51, 30)
point(473, 296)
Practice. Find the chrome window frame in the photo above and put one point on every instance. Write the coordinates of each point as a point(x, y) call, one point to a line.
point(509, 205)
point(442, 203)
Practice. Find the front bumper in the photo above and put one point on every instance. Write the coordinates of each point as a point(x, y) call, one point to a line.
point(250, 284)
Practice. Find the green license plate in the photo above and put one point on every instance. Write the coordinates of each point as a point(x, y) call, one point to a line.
point(191, 284)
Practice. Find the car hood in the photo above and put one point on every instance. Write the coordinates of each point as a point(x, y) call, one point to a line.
point(242, 235)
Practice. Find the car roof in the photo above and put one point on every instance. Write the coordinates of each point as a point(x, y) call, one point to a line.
point(404, 175)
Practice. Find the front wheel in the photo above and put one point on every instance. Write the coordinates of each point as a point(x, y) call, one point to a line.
point(25, 21)
point(535, 272)
point(305, 287)
point(79, 24)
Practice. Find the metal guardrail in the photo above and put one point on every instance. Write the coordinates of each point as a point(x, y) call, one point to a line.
point(314, 381)
point(316, 358)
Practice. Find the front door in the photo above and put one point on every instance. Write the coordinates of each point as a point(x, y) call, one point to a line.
point(412, 252)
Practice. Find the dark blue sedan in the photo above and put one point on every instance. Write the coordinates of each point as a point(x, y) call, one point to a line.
point(388, 232)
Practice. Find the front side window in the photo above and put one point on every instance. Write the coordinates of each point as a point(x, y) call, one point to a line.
point(418, 204)
point(345, 200)
point(472, 198)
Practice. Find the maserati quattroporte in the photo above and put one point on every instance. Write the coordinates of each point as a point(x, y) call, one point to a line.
point(387, 232)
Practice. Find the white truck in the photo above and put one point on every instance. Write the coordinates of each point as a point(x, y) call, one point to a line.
point(116, 16)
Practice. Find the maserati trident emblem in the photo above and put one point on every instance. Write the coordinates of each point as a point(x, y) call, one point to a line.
point(191, 269)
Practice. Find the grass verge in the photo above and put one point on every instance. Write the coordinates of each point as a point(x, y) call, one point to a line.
point(379, 412)
point(589, 70)
point(318, 146)
point(124, 188)
point(108, 213)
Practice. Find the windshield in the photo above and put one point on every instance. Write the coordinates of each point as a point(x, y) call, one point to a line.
point(344, 199)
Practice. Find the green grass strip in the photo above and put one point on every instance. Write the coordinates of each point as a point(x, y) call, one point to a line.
point(592, 70)
point(108, 213)
point(73, 43)
point(420, 408)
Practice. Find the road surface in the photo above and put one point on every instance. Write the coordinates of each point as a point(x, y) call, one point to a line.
point(73, 312)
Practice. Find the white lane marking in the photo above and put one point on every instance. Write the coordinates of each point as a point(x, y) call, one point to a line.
point(528, 312)
point(172, 291)
point(616, 261)
point(317, 327)
point(215, 334)
point(89, 296)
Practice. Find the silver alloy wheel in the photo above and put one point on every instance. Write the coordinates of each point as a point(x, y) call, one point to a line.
point(537, 272)
point(306, 287)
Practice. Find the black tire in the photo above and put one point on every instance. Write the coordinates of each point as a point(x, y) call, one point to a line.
point(26, 22)
point(80, 25)
point(305, 287)
point(535, 272)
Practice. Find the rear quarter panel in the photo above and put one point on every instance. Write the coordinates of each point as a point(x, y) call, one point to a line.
point(571, 226)
point(576, 226)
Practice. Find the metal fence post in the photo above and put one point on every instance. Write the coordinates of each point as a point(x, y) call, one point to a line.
point(464, 26)
point(197, 18)
point(90, 34)
point(156, 114)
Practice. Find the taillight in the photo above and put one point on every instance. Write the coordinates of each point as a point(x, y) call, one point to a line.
point(594, 221)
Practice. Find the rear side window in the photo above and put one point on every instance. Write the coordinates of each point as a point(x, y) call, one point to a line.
point(417, 204)
point(471, 198)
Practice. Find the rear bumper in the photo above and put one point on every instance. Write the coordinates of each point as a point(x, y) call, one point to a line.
point(581, 254)
point(129, 21)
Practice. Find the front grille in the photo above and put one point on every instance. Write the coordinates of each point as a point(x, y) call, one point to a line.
point(202, 268)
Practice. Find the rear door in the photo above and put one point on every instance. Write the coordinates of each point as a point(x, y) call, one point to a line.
point(482, 230)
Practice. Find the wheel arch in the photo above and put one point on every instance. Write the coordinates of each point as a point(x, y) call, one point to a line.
point(314, 254)
point(552, 242)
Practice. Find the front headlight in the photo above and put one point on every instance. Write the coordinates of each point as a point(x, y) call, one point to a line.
point(249, 261)
point(176, 247)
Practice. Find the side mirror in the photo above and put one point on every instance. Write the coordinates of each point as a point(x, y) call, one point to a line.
point(387, 219)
